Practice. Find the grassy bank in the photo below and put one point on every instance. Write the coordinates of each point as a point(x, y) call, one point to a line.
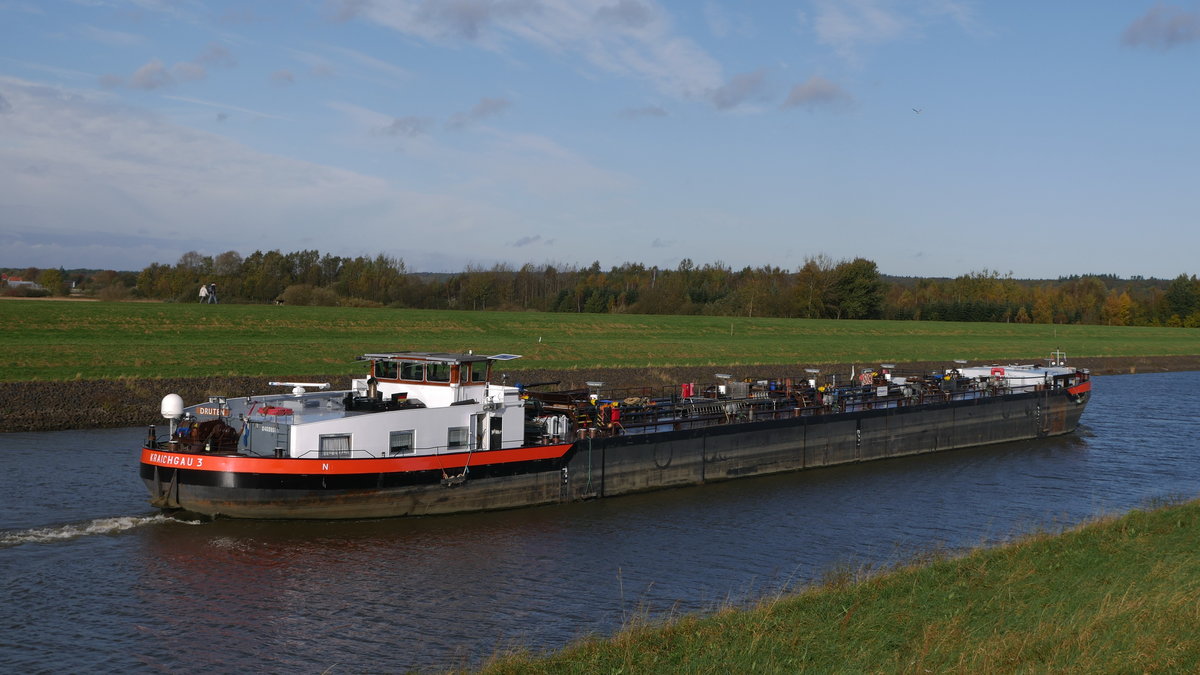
point(1121, 595)
point(48, 341)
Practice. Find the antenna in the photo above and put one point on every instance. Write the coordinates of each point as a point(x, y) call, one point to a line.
point(298, 387)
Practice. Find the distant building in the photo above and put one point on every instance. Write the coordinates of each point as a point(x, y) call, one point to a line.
point(18, 282)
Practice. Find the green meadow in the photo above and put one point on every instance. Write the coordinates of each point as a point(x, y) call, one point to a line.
point(1117, 596)
point(56, 340)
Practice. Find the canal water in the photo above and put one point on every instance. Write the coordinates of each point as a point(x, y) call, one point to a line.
point(92, 578)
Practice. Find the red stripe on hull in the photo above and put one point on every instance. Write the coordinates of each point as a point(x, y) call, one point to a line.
point(268, 465)
point(1081, 388)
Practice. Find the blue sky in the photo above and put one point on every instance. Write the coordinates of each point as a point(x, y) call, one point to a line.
point(935, 137)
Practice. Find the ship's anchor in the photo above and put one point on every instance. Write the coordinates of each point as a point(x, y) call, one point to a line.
point(169, 498)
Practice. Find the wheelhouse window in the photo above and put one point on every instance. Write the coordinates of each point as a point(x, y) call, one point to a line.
point(385, 370)
point(413, 372)
point(401, 443)
point(457, 437)
point(334, 446)
point(479, 371)
point(438, 372)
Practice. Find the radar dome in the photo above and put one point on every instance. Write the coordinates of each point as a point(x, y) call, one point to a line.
point(172, 406)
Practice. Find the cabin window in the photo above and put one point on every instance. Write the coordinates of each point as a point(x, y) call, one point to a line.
point(385, 370)
point(401, 442)
point(334, 446)
point(457, 437)
point(479, 371)
point(414, 372)
point(438, 372)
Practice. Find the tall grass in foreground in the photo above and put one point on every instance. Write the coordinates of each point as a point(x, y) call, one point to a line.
point(1115, 596)
point(48, 340)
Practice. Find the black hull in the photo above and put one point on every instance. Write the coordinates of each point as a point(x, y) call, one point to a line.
point(605, 467)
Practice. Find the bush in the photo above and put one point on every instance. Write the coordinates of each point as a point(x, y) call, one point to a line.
point(307, 294)
point(358, 302)
point(114, 292)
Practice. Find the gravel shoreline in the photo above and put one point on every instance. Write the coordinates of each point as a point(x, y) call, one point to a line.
point(92, 404)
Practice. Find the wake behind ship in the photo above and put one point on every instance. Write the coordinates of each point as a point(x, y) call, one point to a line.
point(429, 433)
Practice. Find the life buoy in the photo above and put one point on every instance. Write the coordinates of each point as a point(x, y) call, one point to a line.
point(997, 372)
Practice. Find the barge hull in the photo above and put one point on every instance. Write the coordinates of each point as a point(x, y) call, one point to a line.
point(616, 465)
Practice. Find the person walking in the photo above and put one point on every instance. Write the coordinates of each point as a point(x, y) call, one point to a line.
point(203, 293)
point(212, 294)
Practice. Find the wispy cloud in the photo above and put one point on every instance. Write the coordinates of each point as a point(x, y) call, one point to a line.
point(409, 126)
point(189, 71)
point(498, 166)
point(526, 241)
point(224, 106)
point(487, 107)
point(378, 65)
point(111, 38)
point(1163, 27)
point(154, 74)
point(626, 37)
point(626, 14)
point(816, 91)
point(330, 61)
point(217, 54)
point(739, 89)
point(849, 26)
point(134, 175)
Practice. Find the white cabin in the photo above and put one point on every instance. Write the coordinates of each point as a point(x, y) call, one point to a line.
point(412, 404)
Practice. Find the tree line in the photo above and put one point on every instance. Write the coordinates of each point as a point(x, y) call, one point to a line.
point(819, 288)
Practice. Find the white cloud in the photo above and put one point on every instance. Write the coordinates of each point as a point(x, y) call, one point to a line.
point(76, 163)
point(849, 26)
point(152, 75)
point(625, 37)
point(739, 89)
point(150, 190)
point(1163, 26)
point(817, 91)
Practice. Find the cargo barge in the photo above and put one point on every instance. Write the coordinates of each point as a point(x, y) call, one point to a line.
point(429, 433)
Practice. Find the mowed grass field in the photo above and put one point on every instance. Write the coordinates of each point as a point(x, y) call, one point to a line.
point(57, 340)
